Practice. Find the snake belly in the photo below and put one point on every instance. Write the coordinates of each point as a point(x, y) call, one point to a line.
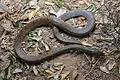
point(59, 24)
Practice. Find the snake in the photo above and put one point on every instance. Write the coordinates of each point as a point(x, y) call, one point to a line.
point(57, 24)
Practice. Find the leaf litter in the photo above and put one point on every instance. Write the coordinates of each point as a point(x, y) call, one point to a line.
point(17, 70)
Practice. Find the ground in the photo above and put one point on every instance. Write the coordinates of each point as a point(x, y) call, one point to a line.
point(70, 66)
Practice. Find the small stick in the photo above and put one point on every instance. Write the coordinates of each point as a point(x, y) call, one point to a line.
point(92, 67)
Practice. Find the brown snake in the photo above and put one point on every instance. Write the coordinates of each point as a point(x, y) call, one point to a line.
point(59, 24)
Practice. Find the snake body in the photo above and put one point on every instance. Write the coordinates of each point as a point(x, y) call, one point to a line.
point(57, 23)
point(74, 31)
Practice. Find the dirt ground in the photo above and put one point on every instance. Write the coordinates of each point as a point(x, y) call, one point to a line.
point(70, 66)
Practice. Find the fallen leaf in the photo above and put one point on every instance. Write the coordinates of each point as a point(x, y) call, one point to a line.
point(9, 73)
point(17, 71)
point(57, 75)
point(104, 69)
point(35, 70)
point(86, 2)
point(3, 8)
point(52, 69)
point(49, 72)
point(81, 2)
point(28, 67)
point(3, 15)
point(35, 11)
point(33, 4)
point(76, 75)
point(62, 67)
point(52, 11)
point(37, 38)
point(60, 12)
point(1, 30)
point(87, 44)
point(102, 2)
point(24, 16)
point(5, 62)
point(8, 27)
point(58, 64)
point(63, 76)
point(39, 33)
point(45, 45)
point(2, 75)
point(106, 62)
point(111, 65)
point(49, 3)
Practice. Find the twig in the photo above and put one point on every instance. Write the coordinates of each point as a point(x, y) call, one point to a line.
point(117, 22)
point(3, 15)
point(12, 52)
point(3, 35)
point(87, 58)
point(112, 21)
point(111, 17)
point(92, 68)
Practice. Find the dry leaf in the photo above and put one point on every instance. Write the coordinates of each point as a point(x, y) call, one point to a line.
point(59, 13)
point(9, 73)
point(65, 75)
point(1, 30)
point(87, 44)
point(49, 3)
point(17, 71)
point(80, 77)
point(5, 62)
point(39, 33)
point(111, 65)
point(8, 26)
point(45, 45)
point(104, 69)
point(3, 15)
point(74, 74)
point(57, 75)
point(102, 2)
point(33, 4)
point(58, 64)
point(35, 11)
point(2, 75)
point(30, 15)
point(53, 12)
point(3, 8)
point(106, 62)
point(49, 72)
point(81, 2)
point(37, 38)
point(35, 70)
point(52, 69)
point(86, 2)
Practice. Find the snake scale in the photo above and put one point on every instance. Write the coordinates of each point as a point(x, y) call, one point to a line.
point(57, 23)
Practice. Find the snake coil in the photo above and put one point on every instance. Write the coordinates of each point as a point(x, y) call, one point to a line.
point(57, 23)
